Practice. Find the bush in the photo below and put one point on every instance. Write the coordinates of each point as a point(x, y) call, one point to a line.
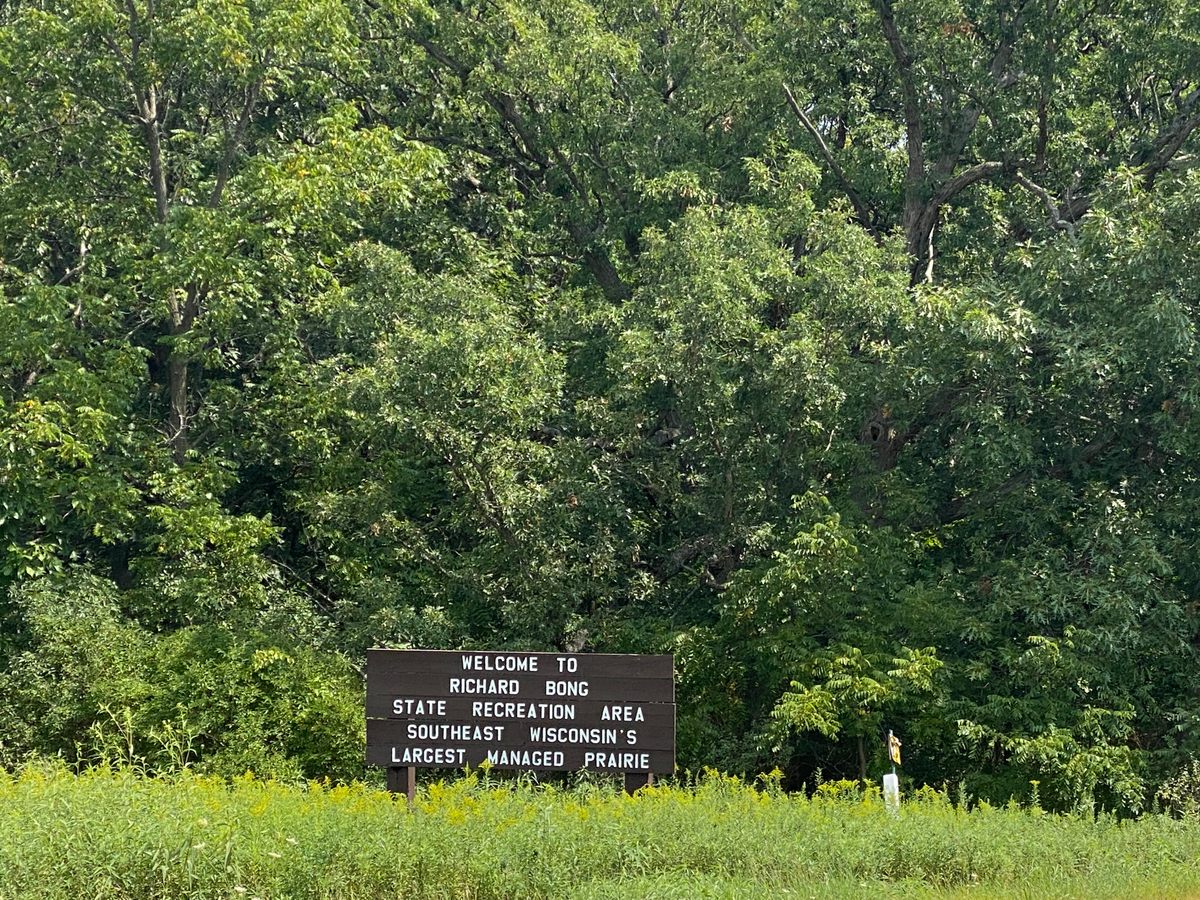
point(1180, 794)
point(254, 703)
point(92, 687)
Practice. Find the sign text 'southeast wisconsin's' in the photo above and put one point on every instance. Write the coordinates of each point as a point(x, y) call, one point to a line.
point(515, 710)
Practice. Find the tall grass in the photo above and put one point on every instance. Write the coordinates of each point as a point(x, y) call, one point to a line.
point(109, 834)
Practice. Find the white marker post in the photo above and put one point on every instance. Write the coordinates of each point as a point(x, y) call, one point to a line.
point(891, 782)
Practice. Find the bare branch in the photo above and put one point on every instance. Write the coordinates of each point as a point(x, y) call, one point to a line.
point(1183, 163)
point(1056, 219)
point(860, 207)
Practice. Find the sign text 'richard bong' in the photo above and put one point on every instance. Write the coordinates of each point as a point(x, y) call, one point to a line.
point(449, 708)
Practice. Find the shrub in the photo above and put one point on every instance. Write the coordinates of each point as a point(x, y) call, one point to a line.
point(92, 687)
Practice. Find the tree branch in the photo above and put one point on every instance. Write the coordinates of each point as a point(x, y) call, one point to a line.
point(968, 119)
point(239, 134)
point(964, 179)
point(862, 211)
point(1171, 138)
point(1161, 156)
point(914, 133)
point(148, 114)
point(1056, 219)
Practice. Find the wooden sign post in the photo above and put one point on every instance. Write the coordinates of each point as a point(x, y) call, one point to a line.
point(448, 709)
point(403, 778)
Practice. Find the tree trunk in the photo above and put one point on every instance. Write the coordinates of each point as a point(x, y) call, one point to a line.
point(177, 372)
point(920, 224)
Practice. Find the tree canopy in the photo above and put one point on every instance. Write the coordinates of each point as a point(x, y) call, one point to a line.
point(848, 351)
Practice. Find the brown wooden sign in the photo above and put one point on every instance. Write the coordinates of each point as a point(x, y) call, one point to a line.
point(517, 710)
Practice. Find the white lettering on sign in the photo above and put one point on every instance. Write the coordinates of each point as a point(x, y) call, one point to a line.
point(627, 761)
point(573, 735)
point(423, 731)
point(566, 688)
point(508, 686)
point(511, 709)
point(567, 664)
point(549, 758)
point(406, 706)
point(476, 662)
point(615, 713)
point(430, 756)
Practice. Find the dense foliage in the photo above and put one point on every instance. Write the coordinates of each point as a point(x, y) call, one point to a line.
point(846, 350)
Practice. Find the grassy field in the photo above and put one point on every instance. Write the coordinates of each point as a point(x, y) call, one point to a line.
point(115, 834)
